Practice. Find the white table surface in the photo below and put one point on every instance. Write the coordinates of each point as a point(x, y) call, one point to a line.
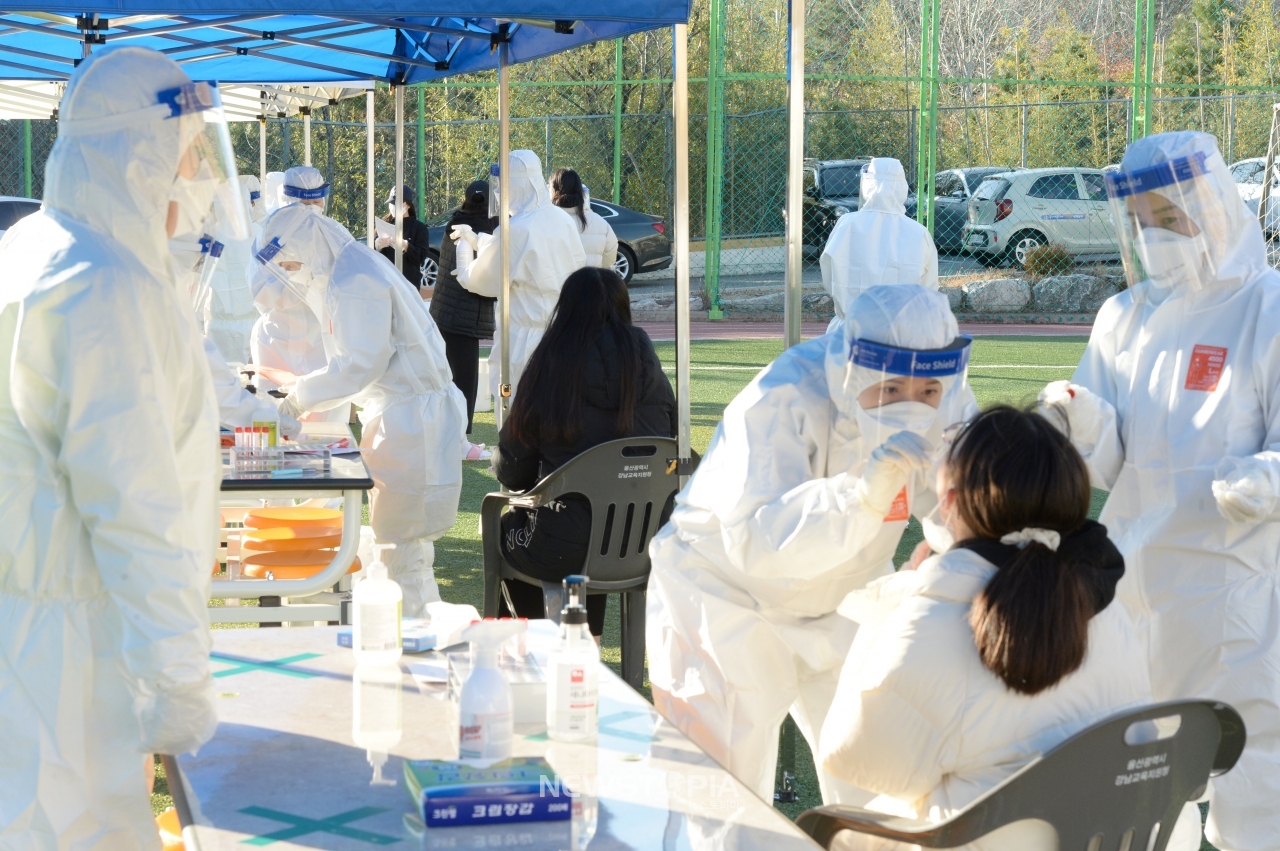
point(283, 770)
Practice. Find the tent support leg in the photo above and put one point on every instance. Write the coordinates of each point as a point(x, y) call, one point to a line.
point(262, 147)
point(399, 251)
point(680, 109)
point(503, 402)
point(369, 131)
point(306, 136)
point(794, 305)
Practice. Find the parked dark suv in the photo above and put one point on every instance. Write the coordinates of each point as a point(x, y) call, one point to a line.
point(831, 189)
point(643, 244)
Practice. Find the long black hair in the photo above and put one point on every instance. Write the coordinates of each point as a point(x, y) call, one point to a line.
point(567, 192)
point(549, 398)
point(1013, 470)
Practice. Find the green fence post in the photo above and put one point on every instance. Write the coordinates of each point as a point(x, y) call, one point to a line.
point(26, 158)
point(1143, 66)
point(715, 158)
point(422, 159)
point(617, 121)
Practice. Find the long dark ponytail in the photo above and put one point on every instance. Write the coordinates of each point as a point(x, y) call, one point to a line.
point(549, 397)
point(567, 192)
point(1012, 470)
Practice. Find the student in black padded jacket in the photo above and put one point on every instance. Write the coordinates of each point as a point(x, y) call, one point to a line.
point(595, 377)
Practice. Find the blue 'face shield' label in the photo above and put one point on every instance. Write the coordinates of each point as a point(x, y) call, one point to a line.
point(190, 98)
point(317, 194)
point(921, 363)
point(269, 251)
point(1124, 184)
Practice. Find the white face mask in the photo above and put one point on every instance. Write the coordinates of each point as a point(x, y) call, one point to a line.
point(887, 420)
point(1170, 258)
point(936, 533)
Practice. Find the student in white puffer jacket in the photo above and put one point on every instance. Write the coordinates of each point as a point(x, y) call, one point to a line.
point(599, 242)
point(1008, 643)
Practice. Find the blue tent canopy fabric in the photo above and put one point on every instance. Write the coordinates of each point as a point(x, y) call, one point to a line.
point(327, 41)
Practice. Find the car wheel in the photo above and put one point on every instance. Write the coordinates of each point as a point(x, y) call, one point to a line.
point(430, 269)
point(1022, 243)
point(625, 265)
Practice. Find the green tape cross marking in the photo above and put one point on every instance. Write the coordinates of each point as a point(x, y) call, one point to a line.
point(276, 666)
point(302, 826)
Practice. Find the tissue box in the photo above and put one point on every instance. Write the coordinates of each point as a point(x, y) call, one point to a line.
point(441, 628)
point(528, 683)
point(416, 635)
point(514, 790)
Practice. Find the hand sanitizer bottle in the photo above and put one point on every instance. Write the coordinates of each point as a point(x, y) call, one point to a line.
point(487, 718)
point(376, 603)
point(573, 670)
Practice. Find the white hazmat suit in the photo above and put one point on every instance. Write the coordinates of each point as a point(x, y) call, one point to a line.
point(599, 242)
point(287, 334)
point(802, 497)
point(877, 244)
point(1176, 407)
point(386, 355)
point(108, 524)
point(231, 310)
point(545, 249)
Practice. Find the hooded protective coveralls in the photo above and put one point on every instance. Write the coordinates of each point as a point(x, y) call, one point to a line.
point(877, 244)
point(108, 525)
point(1181, 372)
point(599, 242)
point(545, 249)
point(287, 334)
point(231, 310)
point(776, 526)
point(386, 355)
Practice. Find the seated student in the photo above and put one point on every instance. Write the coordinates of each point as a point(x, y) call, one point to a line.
point(1002, 647)
point(593, 378)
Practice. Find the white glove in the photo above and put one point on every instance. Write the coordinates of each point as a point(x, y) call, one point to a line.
point(289, 407)
point(382, 242)
point(1245, 489)
point(889, 468)
point(464, 233)
point(1076, 411)
point(177, 719)
point(289, 427)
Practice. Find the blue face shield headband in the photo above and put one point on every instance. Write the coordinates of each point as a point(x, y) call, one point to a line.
point(269, 251)
point(1159, 176)
point(950, 360)
point(317, 194)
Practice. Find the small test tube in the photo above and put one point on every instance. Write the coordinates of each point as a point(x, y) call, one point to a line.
point(239, 444)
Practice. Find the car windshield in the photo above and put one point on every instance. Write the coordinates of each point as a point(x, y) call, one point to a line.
point(841, 181)
point(991, 189)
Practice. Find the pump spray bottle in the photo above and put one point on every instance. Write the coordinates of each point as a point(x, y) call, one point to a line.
point(487, 718)
point(376, 603)
point(573, 671)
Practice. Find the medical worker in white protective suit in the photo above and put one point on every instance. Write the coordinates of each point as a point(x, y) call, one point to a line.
point(545, 249)
point(1176, 407)
point(877, 244)
point(109, 522)
point(802, 497)
point(287, 334)
point(230, 309)
point(386, 355)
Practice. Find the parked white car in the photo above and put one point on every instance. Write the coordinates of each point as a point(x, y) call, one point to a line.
point(1012, 213)
point(1248, 177)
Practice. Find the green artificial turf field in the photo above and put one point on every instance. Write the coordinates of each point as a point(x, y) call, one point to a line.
point(1001, 369)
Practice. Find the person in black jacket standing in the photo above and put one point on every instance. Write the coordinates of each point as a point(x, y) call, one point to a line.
point(463, 317)
point(595, 377)
point(417, 238)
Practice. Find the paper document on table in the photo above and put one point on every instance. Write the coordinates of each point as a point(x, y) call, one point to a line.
point(433, 671)
point(387, 229)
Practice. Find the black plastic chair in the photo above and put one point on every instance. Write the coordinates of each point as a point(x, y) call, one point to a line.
point(628, 483)
point(1112, 786)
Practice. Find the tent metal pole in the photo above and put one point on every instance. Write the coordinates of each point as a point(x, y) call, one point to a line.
point(26, 158)
point(262, 151)
point(369, 131)
point(680, 110)
point(421, 157)
point(504, 231)
point(793, 306)
point(306, 136)
point(399, 250)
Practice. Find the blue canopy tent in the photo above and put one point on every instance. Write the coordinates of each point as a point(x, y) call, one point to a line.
point(332, 41)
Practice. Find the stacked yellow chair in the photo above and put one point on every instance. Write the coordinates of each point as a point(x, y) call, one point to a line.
point(290, 543)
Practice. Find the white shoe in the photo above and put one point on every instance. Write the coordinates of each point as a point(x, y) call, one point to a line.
point(475, 452)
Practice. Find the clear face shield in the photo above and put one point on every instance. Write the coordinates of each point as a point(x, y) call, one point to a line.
point(494, 201)
point(295, 275)
point(906, 389)
point(1169, 218)
point(206, 167)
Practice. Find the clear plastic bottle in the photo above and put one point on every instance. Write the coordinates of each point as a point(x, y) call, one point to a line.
point(267, 417)
point(377, 715)
point(573, 671)
point(376, 604)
